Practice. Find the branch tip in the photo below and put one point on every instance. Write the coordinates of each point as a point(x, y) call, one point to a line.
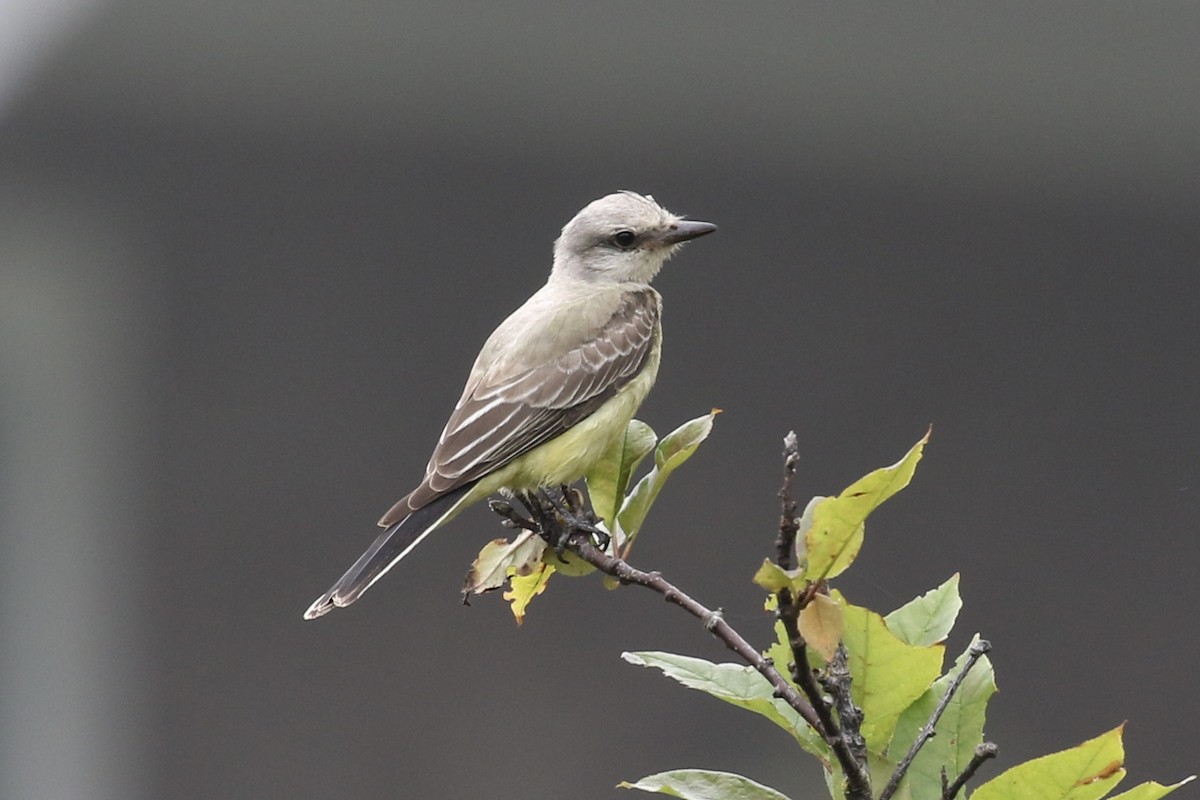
point(983, 752)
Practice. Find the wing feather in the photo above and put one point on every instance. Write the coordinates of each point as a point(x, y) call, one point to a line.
point(496, 423)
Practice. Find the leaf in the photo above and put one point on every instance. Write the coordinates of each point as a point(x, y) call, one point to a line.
point(501, 558)
point(702, 784)
point(608, 479)
point(957, 733)
point(738, 685)
point(803, 526)
point(881, 768)
point(929, 618)
point(773, 577)
point(889, 675)
point(836, 535)
point(526, 587)
point(674, 449)
point(1085, 772)
point(780, 651)
point(1150, 790)
point(568, 564)
point(821, 623)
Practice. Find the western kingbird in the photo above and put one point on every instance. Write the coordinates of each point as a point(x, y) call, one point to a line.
point(552, 387)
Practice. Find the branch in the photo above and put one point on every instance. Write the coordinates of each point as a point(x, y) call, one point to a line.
point(982, 753)
point(785, 543)
point(713, 622)
point(570, 531)
point(927, 732)
point(841, 734)
point(837, 682)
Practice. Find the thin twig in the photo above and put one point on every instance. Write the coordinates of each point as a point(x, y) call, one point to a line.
point(713, 622)
point(785, 543)
point(552, 528)
point(926, 733)
point(982, 753)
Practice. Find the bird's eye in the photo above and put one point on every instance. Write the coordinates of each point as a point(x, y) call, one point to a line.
point(624, 239)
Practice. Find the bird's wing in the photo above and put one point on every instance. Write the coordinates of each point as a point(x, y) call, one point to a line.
point(495, 423)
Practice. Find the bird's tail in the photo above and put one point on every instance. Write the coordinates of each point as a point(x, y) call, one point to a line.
point(393, 544)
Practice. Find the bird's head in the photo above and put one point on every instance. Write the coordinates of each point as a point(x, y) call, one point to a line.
point(622, 237)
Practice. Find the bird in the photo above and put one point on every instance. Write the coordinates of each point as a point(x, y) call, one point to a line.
point(552, 387)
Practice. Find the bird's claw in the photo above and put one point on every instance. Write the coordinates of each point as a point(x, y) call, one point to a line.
point(576, 518)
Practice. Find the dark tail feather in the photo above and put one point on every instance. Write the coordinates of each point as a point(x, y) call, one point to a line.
point(392, 545)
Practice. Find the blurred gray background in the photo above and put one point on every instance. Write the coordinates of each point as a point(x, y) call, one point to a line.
point(248, 251)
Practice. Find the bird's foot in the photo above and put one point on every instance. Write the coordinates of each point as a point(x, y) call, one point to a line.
point(572, 517)
point(512, 517)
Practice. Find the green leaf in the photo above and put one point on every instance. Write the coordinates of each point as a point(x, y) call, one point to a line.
point(702, 784)
point(780, 651)
point(1085, 772)
point(958, 731)
point(929, 618)
point(500, 559)
point(1150, 790)
point(568, 564)
point(608, 479)
point(838, 523)
point(889, 675)
point(773, 577)
point(674, 449)
point(738, 685)
point(881, 768)
point(821, 623)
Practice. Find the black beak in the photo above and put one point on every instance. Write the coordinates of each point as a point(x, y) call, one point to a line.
point(685, 229)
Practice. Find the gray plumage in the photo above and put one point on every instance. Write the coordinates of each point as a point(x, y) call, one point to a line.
point(553, 384)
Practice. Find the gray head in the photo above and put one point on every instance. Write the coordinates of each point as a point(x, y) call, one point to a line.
point(622, 237)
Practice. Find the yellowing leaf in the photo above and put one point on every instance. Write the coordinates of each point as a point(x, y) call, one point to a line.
point(1085, 772)
point(821, 624)
point(889, 675)
point(500, 558)
point(836, 535)
point(703, 784)
point(526, 587)
point(780, 651)
point(773, 577)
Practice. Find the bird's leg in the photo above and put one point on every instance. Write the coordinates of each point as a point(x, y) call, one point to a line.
point(576, 517)
point(544, 519)
point(585, 519)
point(543, 513)
point(532, 505)
point(512, 517)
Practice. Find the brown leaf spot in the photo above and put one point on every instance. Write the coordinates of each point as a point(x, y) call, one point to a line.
point(1107, 771)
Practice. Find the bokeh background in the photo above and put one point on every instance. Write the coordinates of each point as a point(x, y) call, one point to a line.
point(249, 249)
